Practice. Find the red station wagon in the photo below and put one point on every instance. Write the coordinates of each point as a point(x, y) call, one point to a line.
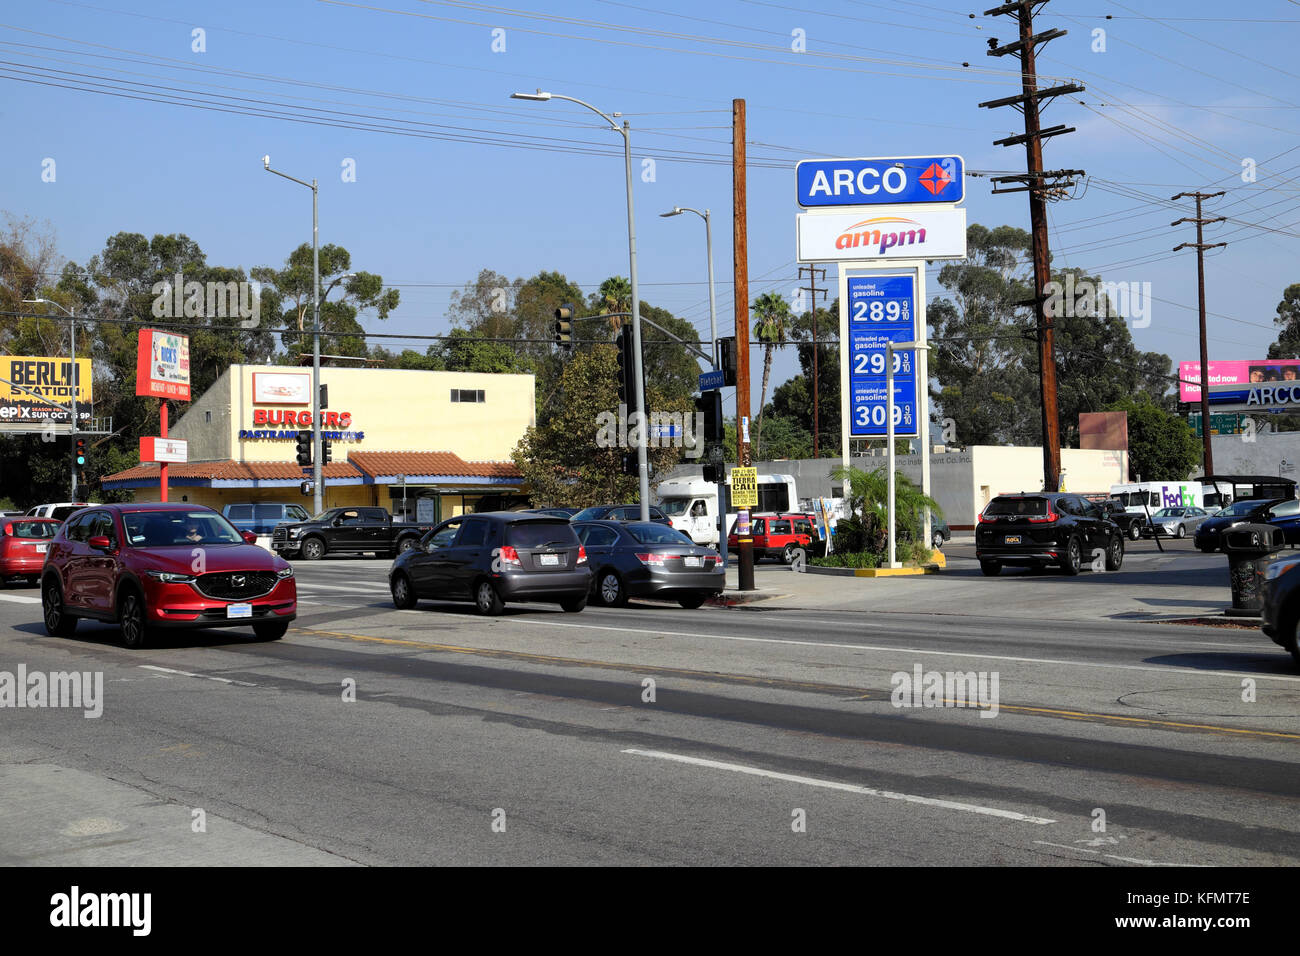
point(778, 535)
point(151, 566)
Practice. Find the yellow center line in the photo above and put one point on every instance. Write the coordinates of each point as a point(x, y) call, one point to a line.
point(857, 692)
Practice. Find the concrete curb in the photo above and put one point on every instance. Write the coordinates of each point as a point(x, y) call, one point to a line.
point(734, 598)
point(934, 567)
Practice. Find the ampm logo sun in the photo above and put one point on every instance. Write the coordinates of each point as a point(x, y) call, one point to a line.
point(886, 232)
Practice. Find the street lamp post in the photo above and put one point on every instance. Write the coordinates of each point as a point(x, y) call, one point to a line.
point(72, 345)
point(643, 468)
point(317, 475)
point(890, 348)
point(713, 350)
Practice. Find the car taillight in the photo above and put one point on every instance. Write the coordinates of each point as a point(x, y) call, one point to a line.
point(654, 559)
point(9, 529)
point(1050, 517)
point(510, 556)
point(582, 555)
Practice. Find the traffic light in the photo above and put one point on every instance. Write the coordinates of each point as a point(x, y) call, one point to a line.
point(326, 453)
point(308, 488)
point(712, 474)
point(727, 356)
point(324, 396)
point(626, 367)
point(304, 448)
point(709, 404)
point(80, 452)
point(630, 464)
point(564, 326)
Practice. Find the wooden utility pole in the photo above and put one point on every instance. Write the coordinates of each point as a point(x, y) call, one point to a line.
point(1200, 246)
point(1041, 185)
point(815, 385)
point(740, 241)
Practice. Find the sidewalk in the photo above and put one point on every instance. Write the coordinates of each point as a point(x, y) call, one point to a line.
point(1149, 587)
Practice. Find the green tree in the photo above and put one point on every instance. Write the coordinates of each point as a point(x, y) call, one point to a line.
point(1161, 446)
point(1287, 319)
point(866, 526)
point(793, 399)
point(465, 352)
point(771, 323)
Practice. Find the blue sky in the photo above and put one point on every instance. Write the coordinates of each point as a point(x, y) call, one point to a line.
point(1175, 101)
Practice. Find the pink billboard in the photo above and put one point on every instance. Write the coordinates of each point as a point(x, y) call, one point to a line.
point(1243, 372)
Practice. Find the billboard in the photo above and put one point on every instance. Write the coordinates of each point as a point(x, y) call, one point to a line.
point(281, 388)
point(1242, 372)
point(883, 232)
point(162, 365)
point(49, 377)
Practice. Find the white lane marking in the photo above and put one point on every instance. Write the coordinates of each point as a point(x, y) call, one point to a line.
point(219, 680)
point(20, 599)
point(914, 650)
point(1122, 859)
point(305, 586)
point(847, 787)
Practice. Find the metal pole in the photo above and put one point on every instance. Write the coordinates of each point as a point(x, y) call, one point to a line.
point(638, 360)
point(75, 383)
point(713, 332)
point(889, 431)
point(318, 483)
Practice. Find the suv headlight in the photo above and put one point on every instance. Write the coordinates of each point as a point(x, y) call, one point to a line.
point(284, 573)
point(169, 577)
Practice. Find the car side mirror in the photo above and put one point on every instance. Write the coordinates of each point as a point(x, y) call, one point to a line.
point(248, 537)
point(100, 542)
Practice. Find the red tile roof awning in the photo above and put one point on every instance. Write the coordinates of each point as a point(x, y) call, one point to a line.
point(429, 464)
point(362, 467)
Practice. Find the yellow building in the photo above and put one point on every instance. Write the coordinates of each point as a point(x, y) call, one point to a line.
point(426, 445)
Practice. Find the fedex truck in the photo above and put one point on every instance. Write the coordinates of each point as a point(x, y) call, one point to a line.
point(1150, 496)
point(691, 504)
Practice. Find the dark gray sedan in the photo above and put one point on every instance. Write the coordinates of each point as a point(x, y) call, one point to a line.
point(646, 559)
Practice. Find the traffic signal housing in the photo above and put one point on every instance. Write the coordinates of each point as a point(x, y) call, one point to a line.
point(564, 326)
point(326, 452)
point(713, 474)
point(304, 448)
point(727, 358)
point(630, 464)
point(80, 452)
point(626, 367)
point(709, 404)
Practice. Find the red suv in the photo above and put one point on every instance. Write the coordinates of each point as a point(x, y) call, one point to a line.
point(23, 544)
point(150, 566)
point(778, 535)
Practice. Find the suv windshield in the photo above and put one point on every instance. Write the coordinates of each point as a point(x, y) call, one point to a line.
point(541, 534)
point(1016, 506)
point(155, 529)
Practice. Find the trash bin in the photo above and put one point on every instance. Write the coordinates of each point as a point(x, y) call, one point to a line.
point(1250, 548)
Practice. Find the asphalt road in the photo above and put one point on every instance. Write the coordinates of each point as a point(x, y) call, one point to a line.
point(653, 734)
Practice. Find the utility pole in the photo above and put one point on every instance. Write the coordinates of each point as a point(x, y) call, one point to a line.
point(815, 386)
point(740, 243)
point(1041, 186)
point(1200, 246)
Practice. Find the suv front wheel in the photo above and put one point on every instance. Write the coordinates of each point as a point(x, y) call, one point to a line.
point(131, 618)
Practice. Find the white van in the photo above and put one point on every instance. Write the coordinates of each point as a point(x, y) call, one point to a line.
point(1143, 496)
point(691, 504)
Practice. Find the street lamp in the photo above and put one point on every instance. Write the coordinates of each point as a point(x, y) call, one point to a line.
point(72, 346)
point(890, 348)
point(643, 470)
point(713, 332)
point(317, 477)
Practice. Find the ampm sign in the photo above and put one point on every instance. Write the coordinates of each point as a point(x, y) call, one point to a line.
point(898, 180)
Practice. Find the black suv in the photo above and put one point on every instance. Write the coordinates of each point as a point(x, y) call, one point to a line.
point(492, 558)
point(1046, 528)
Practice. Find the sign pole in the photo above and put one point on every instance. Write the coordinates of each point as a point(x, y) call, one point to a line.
point(162, 466)
point(923, 396)
point(889, 455)
point(740, 241)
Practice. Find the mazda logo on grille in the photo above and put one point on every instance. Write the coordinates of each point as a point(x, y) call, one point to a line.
point(237, 580)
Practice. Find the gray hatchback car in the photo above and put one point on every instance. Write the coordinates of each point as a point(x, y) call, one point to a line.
point(493, 558)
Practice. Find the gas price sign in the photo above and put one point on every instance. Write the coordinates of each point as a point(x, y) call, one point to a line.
point(881, 309)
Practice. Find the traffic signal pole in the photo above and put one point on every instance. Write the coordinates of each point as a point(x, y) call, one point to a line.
point(740, 244)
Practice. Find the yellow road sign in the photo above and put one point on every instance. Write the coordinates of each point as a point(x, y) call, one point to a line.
point(744, 487)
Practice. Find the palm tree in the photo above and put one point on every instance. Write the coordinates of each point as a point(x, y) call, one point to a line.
point(615, 295)
point(868, 506)
point(770, 327)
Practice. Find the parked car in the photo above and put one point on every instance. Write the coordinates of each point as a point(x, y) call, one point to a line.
point(492, 558)
point(939, 531)
point(553, 512)
point(1287, 517)
point(261, 517)
point(347, 531)
point(136, 565)
point(1175, 522)
point(779, 536)
point(621, 513)
point(1209, 536)
point(1281, 612)
point(23, 545)
point(1132, 523)
point(58, 511)
point(1047, 528)
point(645, 559)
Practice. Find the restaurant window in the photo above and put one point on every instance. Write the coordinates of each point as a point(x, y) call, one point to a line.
point(467, 395)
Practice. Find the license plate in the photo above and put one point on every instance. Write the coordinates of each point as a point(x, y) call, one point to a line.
point(692, 562)
point(42, 548)
point(239, 610)
point(549, 560)
point(1011, 539)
